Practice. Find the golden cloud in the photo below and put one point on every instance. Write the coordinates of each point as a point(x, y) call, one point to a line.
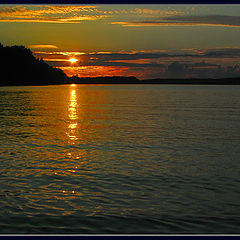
point(50, 14)
point(43, 46)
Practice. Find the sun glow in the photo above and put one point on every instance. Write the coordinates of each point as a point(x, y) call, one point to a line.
point(72, 60)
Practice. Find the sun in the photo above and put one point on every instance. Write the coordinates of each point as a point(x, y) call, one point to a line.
point(72, 60)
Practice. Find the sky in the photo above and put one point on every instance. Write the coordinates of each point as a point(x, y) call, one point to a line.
point(146, 41)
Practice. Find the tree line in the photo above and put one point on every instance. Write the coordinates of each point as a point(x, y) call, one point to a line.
point(18, 66)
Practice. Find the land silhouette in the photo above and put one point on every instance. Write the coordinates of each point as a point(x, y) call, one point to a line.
point(19, 67)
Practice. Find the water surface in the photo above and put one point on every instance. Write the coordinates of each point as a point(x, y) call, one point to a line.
point(119, 159)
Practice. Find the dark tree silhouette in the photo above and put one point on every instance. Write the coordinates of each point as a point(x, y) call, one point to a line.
point(18, 66)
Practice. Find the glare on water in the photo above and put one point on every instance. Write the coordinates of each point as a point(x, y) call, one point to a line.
point(86, 158)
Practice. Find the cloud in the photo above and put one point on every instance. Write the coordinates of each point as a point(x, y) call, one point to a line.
point(172, 70)
point(98, 71)
point(190, 63)
point(210, 20)
point(142, 56)
point(222, 52)
point(176, 67)
point(153, 58)
point(43, 46)
point(155, 12)
point(203, 64)
point(201, 70)
point(49, 14)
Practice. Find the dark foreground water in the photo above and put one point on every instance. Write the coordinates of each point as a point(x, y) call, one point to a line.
point(120, 159)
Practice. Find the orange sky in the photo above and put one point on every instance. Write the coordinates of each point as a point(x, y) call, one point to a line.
point(146, 41)
point(187, 63)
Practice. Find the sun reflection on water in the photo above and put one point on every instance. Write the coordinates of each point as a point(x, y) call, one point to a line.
point(72, 114)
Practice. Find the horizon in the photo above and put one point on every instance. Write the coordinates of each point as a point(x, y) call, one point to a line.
point(145, 41)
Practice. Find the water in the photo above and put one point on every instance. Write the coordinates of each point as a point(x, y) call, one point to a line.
point(119, 159)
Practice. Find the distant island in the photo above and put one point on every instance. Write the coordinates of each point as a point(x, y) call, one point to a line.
point(105, 80)
point(19, 67)
point(134, 80)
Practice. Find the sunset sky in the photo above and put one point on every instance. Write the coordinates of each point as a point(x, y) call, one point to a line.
point(146, 41)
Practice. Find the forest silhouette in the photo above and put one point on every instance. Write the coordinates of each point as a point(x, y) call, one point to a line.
point(19, 67)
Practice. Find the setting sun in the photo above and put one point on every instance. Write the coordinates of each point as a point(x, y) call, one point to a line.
point(72, 60)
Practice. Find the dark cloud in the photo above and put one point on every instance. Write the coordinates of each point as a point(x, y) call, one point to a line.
point(153, 58)
point(204, 64)
point(127, 56)
point(217, 52)
point(208, 63)
point(201, 70)
point(176, 67)
point(223, 52)
point(210, 20)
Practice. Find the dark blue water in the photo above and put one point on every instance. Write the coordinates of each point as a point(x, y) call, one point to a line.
point(120, 159)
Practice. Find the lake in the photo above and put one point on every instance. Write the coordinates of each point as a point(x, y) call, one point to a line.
point(123, 159)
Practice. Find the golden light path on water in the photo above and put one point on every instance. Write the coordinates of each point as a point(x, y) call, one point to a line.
point(72, 109)
point(72, 127)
